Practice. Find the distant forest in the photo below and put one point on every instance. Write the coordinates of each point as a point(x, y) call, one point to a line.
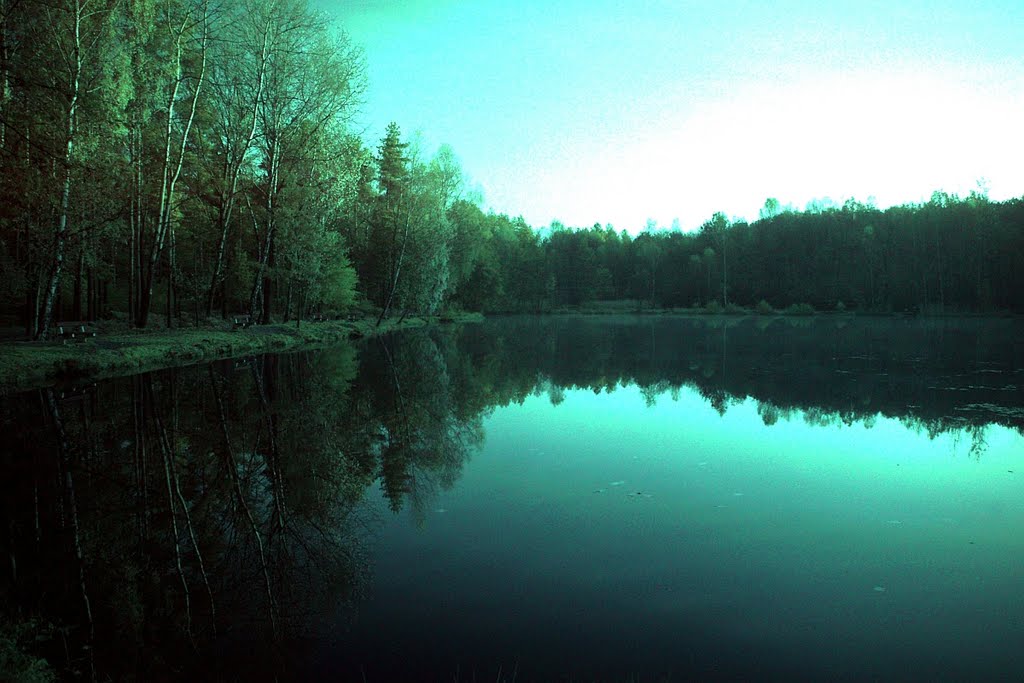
point(181, 159)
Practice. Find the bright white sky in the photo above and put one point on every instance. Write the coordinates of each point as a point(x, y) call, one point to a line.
point(591, 111)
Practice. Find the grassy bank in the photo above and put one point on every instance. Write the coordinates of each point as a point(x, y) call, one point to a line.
point(27, 365)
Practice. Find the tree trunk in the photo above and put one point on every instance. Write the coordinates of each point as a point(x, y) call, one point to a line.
point(172, 278)
point(76, 296)
point(156, 248)
point(42, 326)
point(171, 171)
point(30, 308)
point(268, 239)
point(92, 312)
point(5, 80)
point(137, 220)
point(131, 256)
point(232, 172)
point(37, 293)
point(268, 285)
point(394, 280)
point(725, 296)
point(223, 222)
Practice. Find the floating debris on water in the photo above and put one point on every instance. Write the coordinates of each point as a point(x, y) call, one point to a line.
point(440, 511)
point(879, 589)
point(894, 522)
point(618, 483)
point(702, 464)
point(737, 494)
point(599, 490)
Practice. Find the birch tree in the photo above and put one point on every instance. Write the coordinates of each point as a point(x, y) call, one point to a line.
point(237, 83)
point(313, 83)
point(186, 29)
point(70, 59)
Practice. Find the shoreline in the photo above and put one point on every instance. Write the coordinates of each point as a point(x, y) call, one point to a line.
point(27, 365)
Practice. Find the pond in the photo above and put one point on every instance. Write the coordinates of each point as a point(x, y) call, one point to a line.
point(554, 498)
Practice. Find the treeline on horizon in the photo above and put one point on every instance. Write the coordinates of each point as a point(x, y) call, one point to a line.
point(179, 159)
point(948, 255)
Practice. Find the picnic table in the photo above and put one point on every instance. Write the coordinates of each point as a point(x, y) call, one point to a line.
point(242, 321)
point(75, 330)
point(76, 393)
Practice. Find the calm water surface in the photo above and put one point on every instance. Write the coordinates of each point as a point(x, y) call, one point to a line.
point(537, 499)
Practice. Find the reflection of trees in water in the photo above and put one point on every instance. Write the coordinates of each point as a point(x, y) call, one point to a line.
point(978, 435)
point(424, 441)
point(203, 521)
point(204, 510)
point(935, 376)
point(168, 509)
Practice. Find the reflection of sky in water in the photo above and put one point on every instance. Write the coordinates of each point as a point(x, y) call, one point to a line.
point(857, 549)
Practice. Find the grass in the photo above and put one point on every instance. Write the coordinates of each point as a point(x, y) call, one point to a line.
point(17, 663)
point(27, 365)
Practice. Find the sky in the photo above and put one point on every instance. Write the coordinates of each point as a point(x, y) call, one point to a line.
point(599, 111)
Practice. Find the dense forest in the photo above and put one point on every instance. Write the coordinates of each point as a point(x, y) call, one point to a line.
point(948, 255)
point(165, 162)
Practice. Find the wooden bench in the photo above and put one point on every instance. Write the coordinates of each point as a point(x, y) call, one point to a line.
point(76, 393)
point(242, 321)
point(79, 331)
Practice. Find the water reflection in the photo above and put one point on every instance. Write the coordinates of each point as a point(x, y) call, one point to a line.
point(933, 375)
point(159, 526)
point(149, 516)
